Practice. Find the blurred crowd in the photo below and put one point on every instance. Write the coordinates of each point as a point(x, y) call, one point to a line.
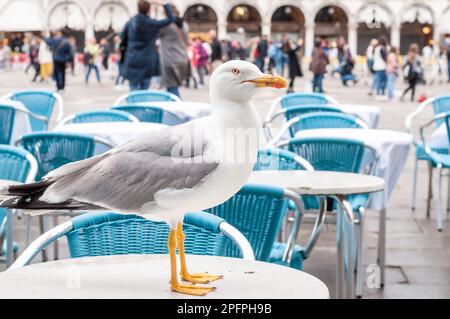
point(162, 52)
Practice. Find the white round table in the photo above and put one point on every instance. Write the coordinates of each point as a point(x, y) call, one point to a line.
point(369, 114)
point(147, 276)
point(117, 133)
point(319, 182)
point(337, 185)
point(185, 110)
point(391, 146)
point(21, 123)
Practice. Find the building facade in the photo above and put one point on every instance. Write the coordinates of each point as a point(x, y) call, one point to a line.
point(401, 21)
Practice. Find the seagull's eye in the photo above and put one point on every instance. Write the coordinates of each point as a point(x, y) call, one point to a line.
point(235, 71)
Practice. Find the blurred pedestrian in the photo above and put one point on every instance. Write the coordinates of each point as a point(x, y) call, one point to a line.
point(412, 71)
point(216, 49)
point(62, 53)
point(139, 55)
point(105, 50)
point(33, 54)
point(45, 60)
point(261, 53)
point(199, 61)
point(347, 63)
point(91, 54)
point(295, 70)
point(369, 57)
point(379, 66)
point(71, 63)
point(174, 57)
point(120, 80)
point(392, 72)
point(319, 61)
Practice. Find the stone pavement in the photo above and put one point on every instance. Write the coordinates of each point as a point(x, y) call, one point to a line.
point(418, 257)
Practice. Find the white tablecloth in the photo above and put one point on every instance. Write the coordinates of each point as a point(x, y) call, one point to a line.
point(392, 147)
point(369, 114)
point(185, 110)
point(21, 124)
point(439, 138)
point(117, 133)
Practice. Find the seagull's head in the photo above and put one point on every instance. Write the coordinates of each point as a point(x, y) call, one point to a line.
point(239, 80)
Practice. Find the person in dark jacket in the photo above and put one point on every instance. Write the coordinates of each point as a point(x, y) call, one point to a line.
point(62, 53)
point(295, 69)
point(261, 52)
point(319, 61)
point(141, 60)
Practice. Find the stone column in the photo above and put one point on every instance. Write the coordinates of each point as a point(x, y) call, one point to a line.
point(89, 30)
point(266, 29)
point(353, 37)
point(221, 27)
point(309, 37)
point(395, 34)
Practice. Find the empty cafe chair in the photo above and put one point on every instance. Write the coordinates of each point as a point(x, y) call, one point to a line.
point(146, 96)
point(152, 114)
point(98, 116)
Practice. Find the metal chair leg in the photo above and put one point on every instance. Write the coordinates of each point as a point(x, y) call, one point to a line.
point(28, 234)
point(382, 245)
point(448, 194)
point(414, 190)
point(430, 187)
point(42, 231)
point(359, 254)
point(55, 243)
point(439, 199)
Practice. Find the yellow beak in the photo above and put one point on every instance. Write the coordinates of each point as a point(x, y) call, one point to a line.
point(268, 80)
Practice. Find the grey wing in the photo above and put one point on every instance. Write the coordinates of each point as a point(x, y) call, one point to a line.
point(130, 176)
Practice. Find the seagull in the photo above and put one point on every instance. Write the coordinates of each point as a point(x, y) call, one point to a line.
point(161, 175)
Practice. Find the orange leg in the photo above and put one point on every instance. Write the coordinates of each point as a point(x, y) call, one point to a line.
point(174, 284)
point(201, 278)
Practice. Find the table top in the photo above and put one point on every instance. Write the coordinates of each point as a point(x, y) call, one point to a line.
point(184, 109)
point(319, 182)
point(147, 276)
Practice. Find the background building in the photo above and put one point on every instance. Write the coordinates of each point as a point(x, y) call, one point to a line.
point(402, 21)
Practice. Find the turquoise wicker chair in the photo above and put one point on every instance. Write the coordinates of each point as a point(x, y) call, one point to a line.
point(440, 104)
point(7, 114)
point(40, 103)
point(55, 149)
point(146, 96)
point(99, 116)
point(152, 114)
point(258, 211)
point(15, 165)
point(297, 99)
point(104, 234)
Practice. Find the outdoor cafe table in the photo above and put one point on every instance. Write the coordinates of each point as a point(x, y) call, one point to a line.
point(147, 276)
point(117, 133)
point(21, 123)
point(185, 110)
point(337, 185)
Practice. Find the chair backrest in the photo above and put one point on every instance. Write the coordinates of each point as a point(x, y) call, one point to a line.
point(146, 96)
point(257, 212)
point(441, 104)
point(38, 102)
point(101, 234)
point(333, 154)
point(7, 115)
point(152, 114)
point(103, 116)
point(295, 111)
point(55, 149)
point(15, 165)
point(319, 120)
point(278, 159)
point(298, 99)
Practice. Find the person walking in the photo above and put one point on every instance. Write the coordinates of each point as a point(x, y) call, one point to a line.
point(319, 61)
point(105, 50)
point(174, 57)
point(33, 55)
point(91, 54)
point(199, 61)
point(295, 69)
point(216, 49)
point(391, 72)
point(139, 55)
point(412, 71)
point(379, 66)
point(369, 60)
point(45, 60)
point(62, 53)
point(261, 53)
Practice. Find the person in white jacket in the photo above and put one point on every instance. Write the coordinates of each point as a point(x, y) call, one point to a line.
point(45, 60)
